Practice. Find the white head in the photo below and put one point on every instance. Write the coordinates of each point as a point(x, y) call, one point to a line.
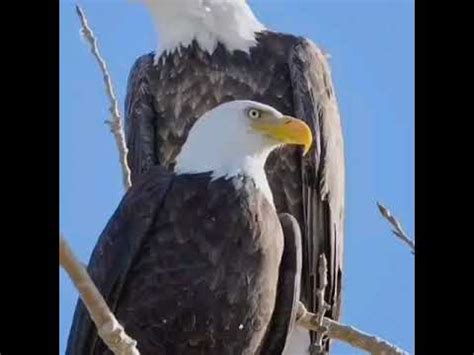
point(179, 22)
point(236, 138)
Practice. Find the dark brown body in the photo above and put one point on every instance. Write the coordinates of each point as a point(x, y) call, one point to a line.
point(193, 266)
point(287, 72)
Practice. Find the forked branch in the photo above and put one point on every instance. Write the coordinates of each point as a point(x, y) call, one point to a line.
point(346, 333)
point(397, 227)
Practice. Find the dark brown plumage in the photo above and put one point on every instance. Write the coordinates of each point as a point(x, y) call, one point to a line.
point(287, 72)
point(191, 265)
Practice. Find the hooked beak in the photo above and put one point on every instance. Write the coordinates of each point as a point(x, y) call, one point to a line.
point(287, 130)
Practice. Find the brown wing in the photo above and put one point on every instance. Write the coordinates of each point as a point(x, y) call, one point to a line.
point(323, 173)
point(140, 118)
point(115, 250)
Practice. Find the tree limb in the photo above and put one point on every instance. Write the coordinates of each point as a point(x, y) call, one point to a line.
point(397, 227)
point(115, 123)
point(109, 329)
point(345, 333)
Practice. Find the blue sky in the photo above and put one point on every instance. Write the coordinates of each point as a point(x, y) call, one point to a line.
point(371, 44)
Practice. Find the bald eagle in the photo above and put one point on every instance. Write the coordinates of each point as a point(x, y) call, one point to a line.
point(214, 51)
point(198, 261)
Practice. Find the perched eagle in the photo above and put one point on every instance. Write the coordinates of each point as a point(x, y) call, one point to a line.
point(214, 51)
point(198, 261)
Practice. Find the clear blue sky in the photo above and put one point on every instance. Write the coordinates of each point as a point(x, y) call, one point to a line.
point(372, 57)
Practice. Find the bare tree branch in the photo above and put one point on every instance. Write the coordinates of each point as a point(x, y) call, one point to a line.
point(109, 329)
point(345, 333)
point(397, 227)
point(328, 327)
point(115, 123)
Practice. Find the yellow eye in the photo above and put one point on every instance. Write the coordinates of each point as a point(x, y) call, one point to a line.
point(253, 113)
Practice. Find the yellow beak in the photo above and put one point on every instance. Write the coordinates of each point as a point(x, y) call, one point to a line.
point(288, 130)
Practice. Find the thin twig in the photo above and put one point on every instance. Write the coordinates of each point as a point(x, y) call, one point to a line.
point(323, 307)
point(397, 227)
point(347, 334)
point(115, 123)
point(108, 328)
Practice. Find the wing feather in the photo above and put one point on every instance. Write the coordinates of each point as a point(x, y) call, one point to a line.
point(140, 117)
point(114, 252)
point(322, 172)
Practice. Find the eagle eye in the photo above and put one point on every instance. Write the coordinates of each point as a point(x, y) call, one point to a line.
point(254, 113)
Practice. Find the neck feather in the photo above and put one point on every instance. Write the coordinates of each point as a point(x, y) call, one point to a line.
point(252, 166)
point(209, 22)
